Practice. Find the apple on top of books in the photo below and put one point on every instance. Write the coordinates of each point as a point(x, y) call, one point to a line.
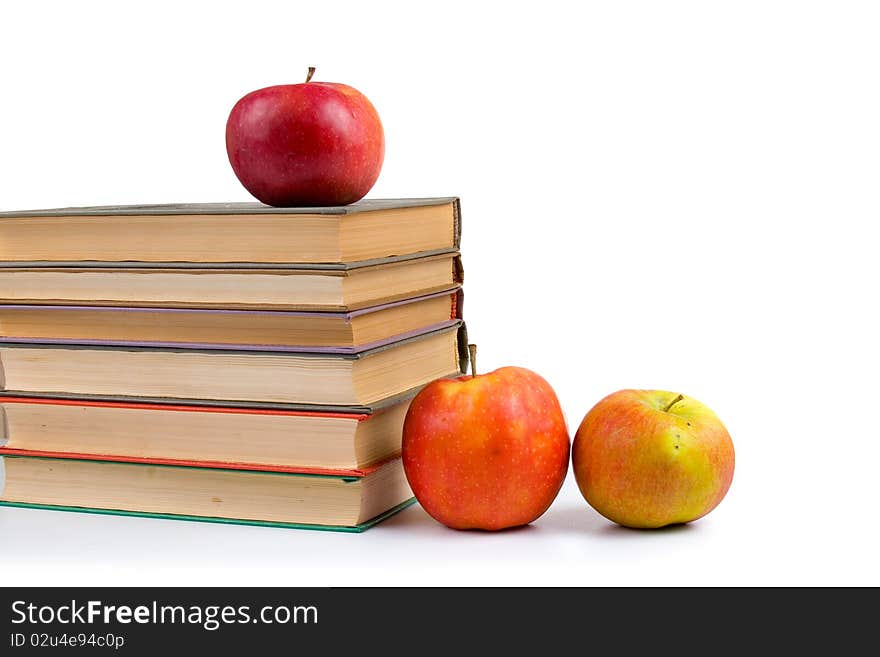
point(306, 145)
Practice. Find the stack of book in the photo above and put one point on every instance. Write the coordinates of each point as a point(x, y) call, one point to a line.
point(222, 362)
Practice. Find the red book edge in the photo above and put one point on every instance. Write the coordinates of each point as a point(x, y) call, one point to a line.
point(217, 465)
point(169, 407)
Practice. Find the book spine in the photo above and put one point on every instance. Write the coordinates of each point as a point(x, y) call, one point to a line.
point(456, 218)
point(457, 304)
point(463, 358)
point(4, 427)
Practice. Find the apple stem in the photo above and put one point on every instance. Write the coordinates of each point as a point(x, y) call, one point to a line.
point(673, 403)
point(311, 73)
point(472, 350)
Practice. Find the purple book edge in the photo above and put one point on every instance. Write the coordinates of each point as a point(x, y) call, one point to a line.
point(237, 347)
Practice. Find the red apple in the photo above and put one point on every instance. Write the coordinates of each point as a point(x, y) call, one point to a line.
point(309, 144)
point(486, 451)
point(649, 458)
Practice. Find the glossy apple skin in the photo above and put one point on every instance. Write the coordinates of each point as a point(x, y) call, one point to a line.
point(643, 467)
point(305, 145)
point(488, 452)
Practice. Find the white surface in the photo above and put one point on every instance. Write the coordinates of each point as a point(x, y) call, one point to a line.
point(677, 195)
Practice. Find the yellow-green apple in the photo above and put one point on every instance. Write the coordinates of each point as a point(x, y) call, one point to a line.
point(486, 451)
point(650, 458)
point(309, 144)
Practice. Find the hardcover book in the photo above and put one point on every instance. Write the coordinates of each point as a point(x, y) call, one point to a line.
point(253, 438)
point(280, 499)
point(232, 232)
point(343, 332)
point(318, 378)
point(328, 287)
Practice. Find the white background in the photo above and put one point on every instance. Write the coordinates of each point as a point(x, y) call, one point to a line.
point(676, 195)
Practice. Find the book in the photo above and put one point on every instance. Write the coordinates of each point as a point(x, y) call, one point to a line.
point(329, 287)
point(232, 232)
point(343, 443)
point(292, 377)
point(285, 499)
point(244, 329)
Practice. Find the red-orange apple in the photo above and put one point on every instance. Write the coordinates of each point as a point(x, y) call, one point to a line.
point(650, 458)
point(486, 451)
point(309, 144)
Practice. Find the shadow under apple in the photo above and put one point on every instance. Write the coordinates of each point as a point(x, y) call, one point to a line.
point(576, 519)
point(581, 519)
point(415, 518)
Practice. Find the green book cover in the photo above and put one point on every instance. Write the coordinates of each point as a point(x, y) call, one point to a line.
point(291, 500)
point(355, 529)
